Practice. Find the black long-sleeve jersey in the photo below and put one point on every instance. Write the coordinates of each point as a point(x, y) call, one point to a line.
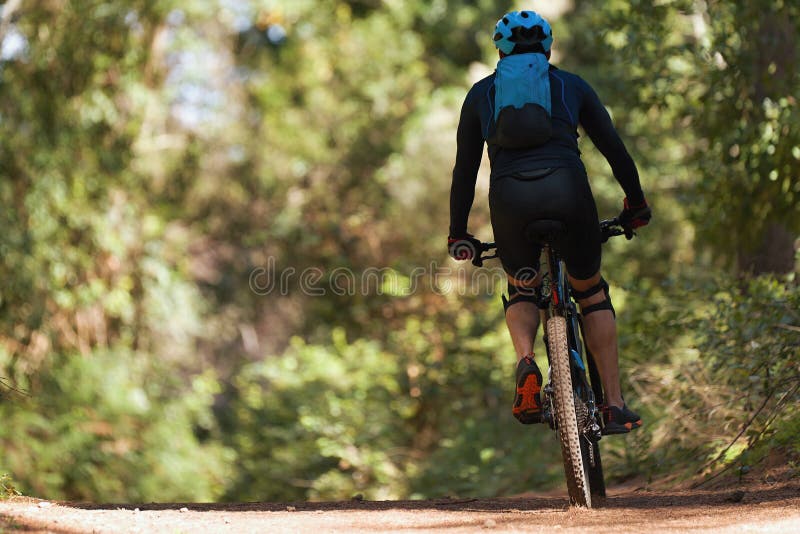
point(573, 103)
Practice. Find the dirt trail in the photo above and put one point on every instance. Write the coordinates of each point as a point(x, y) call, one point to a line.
point(761, 508)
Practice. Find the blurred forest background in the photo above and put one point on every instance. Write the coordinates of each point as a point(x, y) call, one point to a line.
point(155, 154)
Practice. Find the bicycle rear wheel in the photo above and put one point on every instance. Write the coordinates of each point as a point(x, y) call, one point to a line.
point(566, 419)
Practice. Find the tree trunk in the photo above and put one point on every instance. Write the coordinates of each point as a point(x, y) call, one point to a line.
point(774, 254)
point(775, 66)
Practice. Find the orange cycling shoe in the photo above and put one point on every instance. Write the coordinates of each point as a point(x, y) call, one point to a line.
point(527, 400)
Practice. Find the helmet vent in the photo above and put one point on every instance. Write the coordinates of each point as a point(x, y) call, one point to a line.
point(524, 14)
point(524, 35)
point(505, 21)
point(498, 36)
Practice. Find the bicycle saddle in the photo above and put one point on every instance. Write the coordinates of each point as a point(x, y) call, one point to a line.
point(544, 230)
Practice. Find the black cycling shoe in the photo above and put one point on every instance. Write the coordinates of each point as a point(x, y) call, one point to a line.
point(527, 400)
point(619, 420)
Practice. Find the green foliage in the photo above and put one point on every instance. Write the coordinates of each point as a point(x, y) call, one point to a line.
point(421, 420)
point(340, 408)
point(727, 379)
point(749, 122)
point(709, 91)
point(112, 426)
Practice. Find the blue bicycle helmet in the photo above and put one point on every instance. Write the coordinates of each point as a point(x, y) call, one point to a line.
point(525, 28)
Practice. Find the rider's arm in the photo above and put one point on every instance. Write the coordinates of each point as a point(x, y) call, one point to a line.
point(595, 120)
point(465, 173)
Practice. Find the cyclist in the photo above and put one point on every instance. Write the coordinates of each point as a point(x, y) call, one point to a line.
point(527, 112)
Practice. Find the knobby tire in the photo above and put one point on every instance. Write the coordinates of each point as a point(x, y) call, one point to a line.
point(565, 414)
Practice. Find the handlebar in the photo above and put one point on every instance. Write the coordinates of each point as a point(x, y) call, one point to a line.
point(611, 227)
point(608, 229)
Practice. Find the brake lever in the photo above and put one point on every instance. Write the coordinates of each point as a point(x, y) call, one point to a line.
point(607, 231)
point(479, 258)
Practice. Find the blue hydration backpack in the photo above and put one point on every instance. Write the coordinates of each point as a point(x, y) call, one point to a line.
point(522, 112)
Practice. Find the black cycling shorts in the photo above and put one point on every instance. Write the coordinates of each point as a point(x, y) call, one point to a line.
point(564, 195)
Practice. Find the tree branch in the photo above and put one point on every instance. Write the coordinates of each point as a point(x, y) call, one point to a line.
point(739, 435)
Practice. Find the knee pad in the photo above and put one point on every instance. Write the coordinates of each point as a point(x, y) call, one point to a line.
point(521, 294)
point(605, 304)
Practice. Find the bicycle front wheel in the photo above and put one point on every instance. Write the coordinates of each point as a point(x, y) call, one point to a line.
point(565, 415)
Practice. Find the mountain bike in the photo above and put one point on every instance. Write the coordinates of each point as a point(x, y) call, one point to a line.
point(573, 392)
